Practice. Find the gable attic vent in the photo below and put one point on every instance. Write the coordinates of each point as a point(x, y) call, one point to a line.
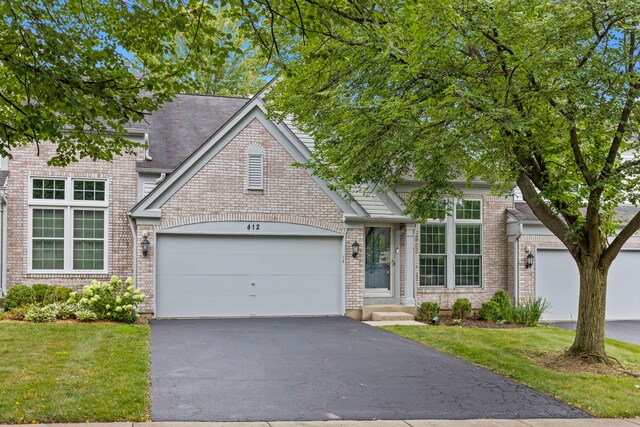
point(255, 168)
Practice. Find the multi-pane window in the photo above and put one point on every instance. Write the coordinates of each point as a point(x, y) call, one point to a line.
point(88, 240)
point(468, 261)
point(451, 248)
point(433, 255)
point(47, 250)
point(48, 189)
point(68, 224)
point(88, 190)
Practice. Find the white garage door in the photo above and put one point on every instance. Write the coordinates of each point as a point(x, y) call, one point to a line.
point(217, 276)
point(557, 281)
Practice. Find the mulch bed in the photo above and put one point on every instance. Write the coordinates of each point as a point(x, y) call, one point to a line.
point(476, 323)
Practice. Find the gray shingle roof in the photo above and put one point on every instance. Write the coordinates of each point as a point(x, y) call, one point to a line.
point(181, 126)
point(523, 212)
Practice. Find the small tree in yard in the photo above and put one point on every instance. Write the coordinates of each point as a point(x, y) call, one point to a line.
point(540, 93)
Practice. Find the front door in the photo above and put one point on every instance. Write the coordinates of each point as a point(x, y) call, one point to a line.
point(377, 275)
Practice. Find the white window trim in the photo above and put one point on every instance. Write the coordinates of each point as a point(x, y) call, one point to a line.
point(254, 150)
point(68, 205)
point(450, 246)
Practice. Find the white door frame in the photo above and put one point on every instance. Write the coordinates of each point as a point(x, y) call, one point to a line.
point(382, 293)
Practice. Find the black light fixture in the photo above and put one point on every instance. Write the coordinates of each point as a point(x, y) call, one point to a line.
point(529, 262)
point(145, 244)
point(355, 248)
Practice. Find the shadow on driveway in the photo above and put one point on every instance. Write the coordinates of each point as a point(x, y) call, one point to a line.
point(320, 369)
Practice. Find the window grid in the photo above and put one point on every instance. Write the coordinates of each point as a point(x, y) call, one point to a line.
point(48, 189)
point(433, 260)
point(47, 251)
point(468, 270)
point(88, 190)
point(468, 210)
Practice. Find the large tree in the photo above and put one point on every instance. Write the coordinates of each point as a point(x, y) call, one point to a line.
point(75, 72)
point(535, 92)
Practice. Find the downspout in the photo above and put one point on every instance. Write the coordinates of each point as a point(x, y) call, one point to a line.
point(161, 178)
point(135, 249)
point(516, 264)
point(147, 156)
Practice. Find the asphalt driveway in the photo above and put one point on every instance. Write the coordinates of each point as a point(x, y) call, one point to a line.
point(321, 369)
point(621, 330)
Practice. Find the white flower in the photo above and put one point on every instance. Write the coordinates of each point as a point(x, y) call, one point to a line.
point(118, 299)
point(129, 281)
point(118, 309)
point(130, 288)
point(126, 295)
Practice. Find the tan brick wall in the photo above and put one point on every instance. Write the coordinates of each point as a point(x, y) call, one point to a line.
point(494, 258)
point(354, 270)
point(122, 177)
point(217, 193)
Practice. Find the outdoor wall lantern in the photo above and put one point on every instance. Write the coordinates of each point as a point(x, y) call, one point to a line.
point(145, 243)
point(529, 261)
point(355, 248)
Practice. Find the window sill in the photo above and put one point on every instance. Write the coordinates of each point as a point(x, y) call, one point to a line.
point(440, 289)
point(58, 273)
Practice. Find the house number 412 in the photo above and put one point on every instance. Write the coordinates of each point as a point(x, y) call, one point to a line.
point(253, 227)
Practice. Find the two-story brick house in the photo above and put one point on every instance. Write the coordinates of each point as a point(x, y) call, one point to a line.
point(213, 219)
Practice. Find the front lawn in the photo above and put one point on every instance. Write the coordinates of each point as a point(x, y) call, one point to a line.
point(73, 372)
point(520, 353)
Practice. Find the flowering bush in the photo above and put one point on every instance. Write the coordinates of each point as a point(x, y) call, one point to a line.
point(114, 300)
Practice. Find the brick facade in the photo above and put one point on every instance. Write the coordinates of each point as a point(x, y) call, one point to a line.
point(217, 193)
point(122, 178)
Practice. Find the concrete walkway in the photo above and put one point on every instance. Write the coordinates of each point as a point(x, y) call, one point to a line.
point(588, 422)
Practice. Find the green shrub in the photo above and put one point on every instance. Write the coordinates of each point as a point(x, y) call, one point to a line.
point(428, 310)
point(490, 311)
point(83, 314)
point(52, 294)
point(18, 296)
point(41, 292)
point(114, 300)
point(1, 303)
point(504, 302)
point(530, 312)
point(37, 314)
point(461, 309)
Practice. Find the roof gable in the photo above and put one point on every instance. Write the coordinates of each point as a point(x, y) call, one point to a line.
point(253, 110)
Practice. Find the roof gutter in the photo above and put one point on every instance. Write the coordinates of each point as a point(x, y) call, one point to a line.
point(387, 219)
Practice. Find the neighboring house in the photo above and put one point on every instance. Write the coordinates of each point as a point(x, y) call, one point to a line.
point(234, 229)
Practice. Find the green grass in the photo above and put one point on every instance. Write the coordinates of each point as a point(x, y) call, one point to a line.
point(73, 372)
point(504, 351)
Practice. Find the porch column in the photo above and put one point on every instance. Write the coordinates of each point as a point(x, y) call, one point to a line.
point(409, 266)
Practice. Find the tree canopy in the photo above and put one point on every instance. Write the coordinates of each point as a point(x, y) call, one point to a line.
point(538, 92)
point(75, 72)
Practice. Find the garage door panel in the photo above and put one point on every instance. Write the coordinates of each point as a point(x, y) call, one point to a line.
point(211, 276)
point(558, 281)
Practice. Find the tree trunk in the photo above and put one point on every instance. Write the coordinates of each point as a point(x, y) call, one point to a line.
point(589, 340)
